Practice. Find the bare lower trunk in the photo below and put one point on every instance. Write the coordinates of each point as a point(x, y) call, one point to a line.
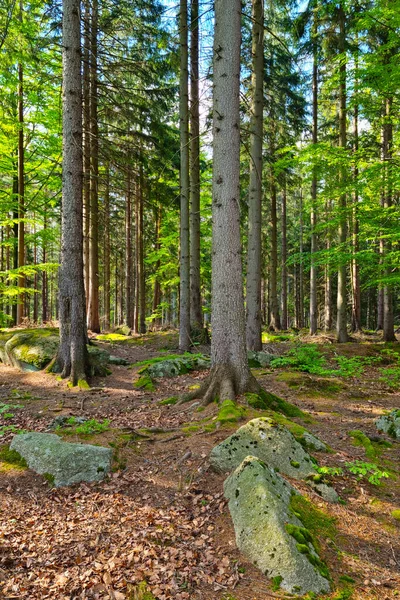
point(388, 319)
point(253, 282)
point(72, 358)
point(284, 294)
point(86, 147)
point(275, 323)
point(314, 246)
point(128, 252)
point(21, 191)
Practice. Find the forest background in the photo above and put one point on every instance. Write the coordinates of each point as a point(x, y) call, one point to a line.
point(330, 187)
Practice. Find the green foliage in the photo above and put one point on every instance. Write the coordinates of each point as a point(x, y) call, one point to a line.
point(369, 471)
point(10, 429)
point(276, 583)
point(169, 401)
point(396, 514)
point(89, 427)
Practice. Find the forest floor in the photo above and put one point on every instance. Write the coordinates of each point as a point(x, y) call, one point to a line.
point(161, 517)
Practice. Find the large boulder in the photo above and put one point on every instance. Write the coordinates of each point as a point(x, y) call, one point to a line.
point(390, 423)
point(269, 441)
point(46, 453)
point(29, 349)
point(259, 359)
point(268, 532)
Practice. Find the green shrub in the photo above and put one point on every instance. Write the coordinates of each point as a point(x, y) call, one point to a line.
point(369, 471)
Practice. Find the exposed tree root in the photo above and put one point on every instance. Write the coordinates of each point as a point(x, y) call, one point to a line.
point(223, 383)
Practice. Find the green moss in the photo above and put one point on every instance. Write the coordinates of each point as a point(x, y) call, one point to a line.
point(295, 464)
point(83, 384)
point(229, 412)
point(276, 583)
point(396, 514)
point(346, 579)
point(309, 384)
point(372, 449)
point(144, 382)
point(111, 337)
point(200, 409)
point(266, 400)
point(12, 457)
point(210, 427)
point(318, 523)
point(157, 359)
point(49, 478)
point(141, 592)
point(169, 401)
point(191, 428)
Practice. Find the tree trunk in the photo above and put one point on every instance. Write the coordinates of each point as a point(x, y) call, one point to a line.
point(44, 275)
point(21, 189)
point(130, 320)
point(157, 287)
point(196, 313)
point(388, 319)
point(300, 323)
point(253, 282)
point(230, 373)
point(327, 274)
point(274, 323)
point(107, 269)
point(141, 280)
point(86, 147)
point(93, 307)
point(184, 264)
point(341, 324)
point(284, 295)
point(355, 270)
point(72, 358)
point(314, 244)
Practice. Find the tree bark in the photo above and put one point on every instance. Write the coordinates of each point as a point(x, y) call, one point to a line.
point(86, 147)
point(184, 263)
point(253, 281)
point(388, 318)
point(230, 373)
point(341, 324)
point(130, 320)
point(72, 358)
point(314, 243)
point(93, 306)
point(355, 270)
point(196, 313)
point(284, 295)
point(274, 323)
point(21, 189)
point(107, 248)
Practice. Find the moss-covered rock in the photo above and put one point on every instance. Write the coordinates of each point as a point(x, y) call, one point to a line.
point(67, 463)
point(267, 530)
point(259, 359)
point(270, 442)
point(98, 361)
point(29, 349)
point(267, 401)
point(229, 412)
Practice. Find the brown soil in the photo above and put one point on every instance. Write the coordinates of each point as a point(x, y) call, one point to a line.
point(161, 516)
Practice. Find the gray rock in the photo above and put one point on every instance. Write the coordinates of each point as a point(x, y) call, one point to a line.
point(117, 360)
point(327, 492)
point(313, 442)
point(259, 359)
point(67, 463)
point(265, 526)
point(98, 361)
point(390, 423)
point(177, 366)
point(269, 441)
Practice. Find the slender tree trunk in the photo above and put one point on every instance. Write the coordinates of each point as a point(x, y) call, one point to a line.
point(130, 318)
point(21, 189)
point(107, 248)
point(72, 358)
point(44, 275)
point(184, 270)
point(93, 307)
point(328, 319)
point(15, 232)
point(284, 261)
point(140, 272)
point(314, 243)
point(196, 313)
point(355, 270)
point(230, 373)
point(86, 146)
point(157, 287)
point(341, 325)
point(388, 319)
point(275, 323)
point(253, 282)
point(301, 275)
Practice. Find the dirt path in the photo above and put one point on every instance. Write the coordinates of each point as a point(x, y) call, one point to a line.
point(161, 517)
